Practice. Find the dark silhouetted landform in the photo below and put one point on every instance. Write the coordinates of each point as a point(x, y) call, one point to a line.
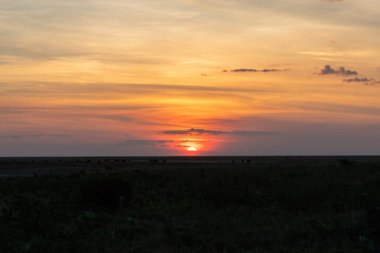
point(190, 204)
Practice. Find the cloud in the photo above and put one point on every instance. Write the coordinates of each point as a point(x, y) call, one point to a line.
point(328, 70)
point(183, 146)
point(119, 88)
point(163, 143)
point(119, 118)
point(201, 131)
point(319, 53)
point(364, 80)
point(23, 136)
point(243, 70)
point(358, 80)
point(338, 108)
point(147, 142)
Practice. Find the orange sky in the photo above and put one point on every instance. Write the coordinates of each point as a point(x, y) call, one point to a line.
point(157, 77)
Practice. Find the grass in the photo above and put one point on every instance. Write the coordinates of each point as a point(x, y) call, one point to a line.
point(238, 208)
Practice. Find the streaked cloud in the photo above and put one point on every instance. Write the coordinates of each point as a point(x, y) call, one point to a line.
point(243, 70)
point(332, 107)
point(28, 136)
point(316, 53)
point(201, 131)
point(332, 1)
point(358, 80)
point(163, 143)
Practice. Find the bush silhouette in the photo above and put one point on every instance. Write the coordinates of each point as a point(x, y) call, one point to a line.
point(111, 192)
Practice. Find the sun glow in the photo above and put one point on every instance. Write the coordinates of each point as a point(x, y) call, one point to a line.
point(192, 149)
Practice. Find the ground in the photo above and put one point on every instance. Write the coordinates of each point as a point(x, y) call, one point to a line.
point(247, 204)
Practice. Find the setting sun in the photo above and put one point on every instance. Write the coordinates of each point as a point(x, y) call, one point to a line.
point(192, 149)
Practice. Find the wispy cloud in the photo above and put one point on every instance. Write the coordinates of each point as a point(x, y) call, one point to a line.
point(118, 88)
point(248, 70)
point(163, 143)
point(338, 108)
point(363, 80)
point(201, 131)
point(358, 80)
point(25, 136)
point(320, 53)
point(332, 1)
point(147, 142)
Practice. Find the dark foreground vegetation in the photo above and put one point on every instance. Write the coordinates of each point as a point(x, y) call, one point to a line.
point(334, 207)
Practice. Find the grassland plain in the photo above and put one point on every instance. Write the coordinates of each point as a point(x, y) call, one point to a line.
point(115, 205)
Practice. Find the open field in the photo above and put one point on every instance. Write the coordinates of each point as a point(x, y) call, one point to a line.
point(190, 204)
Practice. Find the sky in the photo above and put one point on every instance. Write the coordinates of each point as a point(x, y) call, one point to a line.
point(189, 77)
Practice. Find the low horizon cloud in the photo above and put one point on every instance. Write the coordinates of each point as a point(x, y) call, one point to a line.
point(201, 131)
point(164, 143)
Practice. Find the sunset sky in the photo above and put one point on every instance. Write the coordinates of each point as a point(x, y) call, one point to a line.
point(181, 77)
